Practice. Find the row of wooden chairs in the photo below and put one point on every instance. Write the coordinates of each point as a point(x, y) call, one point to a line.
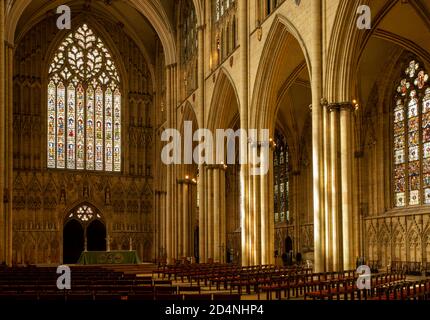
point(347, 289)
point(33, 296)
point(299, 284)
point(406, 290)
point(410, 267)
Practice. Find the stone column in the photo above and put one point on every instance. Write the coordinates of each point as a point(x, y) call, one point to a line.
point(206, 213)
point(216, 213)
point(162, 227)
point(271, 212)
point(157, 237)
point(9, 96)
point(180, 220)
point(164, 212)
point(244, 177)
point(159, 224)
point(317, 151)
point(201, 118)
point(176, 169)
point(202, 215)
point(186, 235)
point(326, 225)
point(346, 180)
point(264, 217)
point(336, 245)
point(170, 181)
point(256, 222)
point(223, 234)
point(3, 226)
point(219, 228)
point(250, 196)
point(210, 212)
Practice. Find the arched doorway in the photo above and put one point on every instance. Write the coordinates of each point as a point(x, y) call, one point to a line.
point(84, 230)
point(73, 241)
point(96, 236)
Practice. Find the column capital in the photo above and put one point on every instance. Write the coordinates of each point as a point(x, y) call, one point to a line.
point(333, 107)
point(220, 166)
point(171, 66)
point(9, 45)
point(339, 106)
point(201, 27)
point(192, 181)
point(349, 106)
point(324, 103)
point(259, 144)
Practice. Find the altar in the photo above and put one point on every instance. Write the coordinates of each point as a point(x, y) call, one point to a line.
point(109, 257)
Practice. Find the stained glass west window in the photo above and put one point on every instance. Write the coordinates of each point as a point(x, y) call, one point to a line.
point(411, 130)
point(84, 105)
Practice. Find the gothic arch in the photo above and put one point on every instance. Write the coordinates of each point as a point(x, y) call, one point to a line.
point(349, 42)
point(78, 204)
point(224, 95)
point(188, 114)
point(282, 35)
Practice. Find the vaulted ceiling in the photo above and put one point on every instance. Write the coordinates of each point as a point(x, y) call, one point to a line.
point(119, 11)
point(402, 25)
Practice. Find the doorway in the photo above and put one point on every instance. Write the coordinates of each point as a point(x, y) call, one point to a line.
point(73, 241)
point(96, 236)
point(288, 244)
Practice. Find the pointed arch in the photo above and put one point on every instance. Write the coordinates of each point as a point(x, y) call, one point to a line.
point(224, 96)
point(349, 42)
point(87, 209)
point(282, 37)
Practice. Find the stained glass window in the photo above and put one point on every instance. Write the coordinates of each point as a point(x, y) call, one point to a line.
point(84, 214)
point(281, 178)
point(411, 131)
point(84, 105)
point(189, 46)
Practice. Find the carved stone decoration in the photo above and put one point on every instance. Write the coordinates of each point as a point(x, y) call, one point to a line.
point(107, 196)
point(259, 33)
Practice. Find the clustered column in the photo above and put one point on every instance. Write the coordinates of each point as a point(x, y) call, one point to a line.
point(172, 197)
point(337, 229)
point(160, 209)
point(260, 222)
point(317, 137)
point(346, 152)
point(6, 142)
point(184, 224)
point(2, 136)
point(215, 216)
